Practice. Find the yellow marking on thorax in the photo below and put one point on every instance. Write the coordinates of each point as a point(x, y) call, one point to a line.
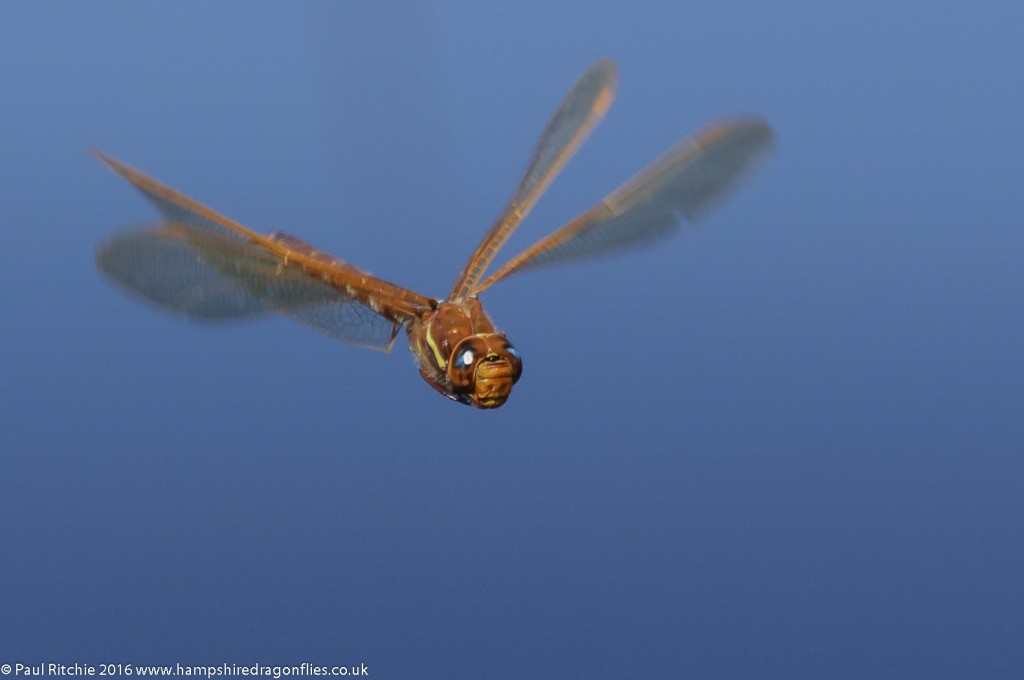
point(442, 362)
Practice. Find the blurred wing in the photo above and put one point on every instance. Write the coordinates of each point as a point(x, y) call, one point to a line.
point(580, 111)
point(164, 267)
point(683, 182)
point(208, 276)
point(176, 206)
point(205, 265)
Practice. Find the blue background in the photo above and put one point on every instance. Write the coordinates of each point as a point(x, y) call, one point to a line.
point(787, 445)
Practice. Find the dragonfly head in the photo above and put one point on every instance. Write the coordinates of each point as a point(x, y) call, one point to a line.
point(483, 368)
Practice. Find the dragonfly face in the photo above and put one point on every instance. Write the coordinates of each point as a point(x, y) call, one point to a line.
point(483, 369)
point(489, 366)
point(207, 266)
point(463, 357)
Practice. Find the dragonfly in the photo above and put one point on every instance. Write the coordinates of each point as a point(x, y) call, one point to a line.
point(201, 264)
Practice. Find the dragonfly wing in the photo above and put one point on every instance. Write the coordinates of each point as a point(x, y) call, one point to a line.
point(678, 186)
point(205, 265)
point(164, 267)
point(583, 106)
point(208, 275)
point(348, 320)
point(176, 206)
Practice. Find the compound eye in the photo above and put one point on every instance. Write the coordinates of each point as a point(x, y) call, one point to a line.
point(464, 359)
point(463, 363)
point(515, 359)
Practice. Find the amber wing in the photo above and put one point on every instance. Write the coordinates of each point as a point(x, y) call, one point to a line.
point(206, 266)
point(583, 107)
point(676, 187)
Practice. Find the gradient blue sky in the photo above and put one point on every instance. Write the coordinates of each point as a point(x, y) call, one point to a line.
point(787, 445)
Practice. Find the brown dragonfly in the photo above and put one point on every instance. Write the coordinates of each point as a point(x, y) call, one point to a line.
point(206, 266)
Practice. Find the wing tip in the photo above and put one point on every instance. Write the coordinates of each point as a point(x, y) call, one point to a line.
point(100, 155)
point(605, 71)
point(607, 67)
point(754, 127)
point(122, 169)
